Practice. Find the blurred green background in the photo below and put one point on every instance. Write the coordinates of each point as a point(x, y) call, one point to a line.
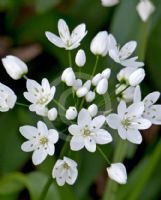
point(22, 27)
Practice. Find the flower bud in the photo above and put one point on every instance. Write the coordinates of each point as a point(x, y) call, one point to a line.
point(68, 76)
point(82, 91)
point(108, 3)
point(93, 109)
point(90, 96)
point(106, 73)
point(87, 84)
point(15, 67)
point(80, 58)
point(52, 114)
point(77, 84)
point(102, 86)
point(117, 172)
point(99, 44)
point(71, 113)
point(145, 9)
point(137, 77)
point(96, 79)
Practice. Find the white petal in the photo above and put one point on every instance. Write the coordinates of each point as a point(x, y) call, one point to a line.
point(153, 114)
point(90, 144)
point(102, 137)
point(39, 156)
point(137, 94)
point(63, 30)
point(151, 98)
point(29, 132)
point(50, 149)
point(70, 162)
point(122, 132)
point(53, 136)
point(97, 122)
point(72, 176)
point(102, 86)
point(78, 34)
point(76, 143)
point(113, 120)
point(74, 129)
point(134, 136)
point(60, 180)
point(121, 109)
point(28, 146)
point(127, 50)
point(84, 118)
point(42, 128)
point(131, 62)
point(142, 123)
point(135, 110)
point(54, 39)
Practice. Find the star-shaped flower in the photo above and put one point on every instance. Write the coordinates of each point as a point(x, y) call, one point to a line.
point(152, 111)
point(65, 171)
point(40, 140)
point(39, 95)
point(121, 55)
point(129, 121)
point(67, 40)
point(87, 132)
point(7, 98)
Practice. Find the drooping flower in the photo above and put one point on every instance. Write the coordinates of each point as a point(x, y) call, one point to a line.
point(117, 172)
point(122, 55)
point(40, 140)
point(65, 171)
point(88, 132)
point(15, 67)
point(109, 3)
point(129, 121)
point(131, 76)
point(7, 98)
point(39, 95)
point(99, 44)
point(145, 8)
point(152, 111)
point(67, 40)
point(80, 58)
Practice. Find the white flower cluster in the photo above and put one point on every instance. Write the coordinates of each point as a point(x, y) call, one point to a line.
point(88, 130)
point(144, 8)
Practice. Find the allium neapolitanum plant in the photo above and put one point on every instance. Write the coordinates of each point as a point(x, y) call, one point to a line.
point(87, 124)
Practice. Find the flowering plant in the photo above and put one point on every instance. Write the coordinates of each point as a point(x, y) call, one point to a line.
point(86, 107)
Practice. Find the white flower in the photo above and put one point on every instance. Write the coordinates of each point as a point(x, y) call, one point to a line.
point(128, 121)
point(152, 111)
point(68, 76)
point(102, 86)
point(7, 98)
point(87, 133)
point(125, 94)
point(131, 76)
point(122, 55)
point(145, 8)
point(15, 67)
point(65, 171)
point(108, 3)
point(80, 58)
point(93, 110)
point(117, 172)
point(40, 140)
point(39, 95)
point(71, 113)
point(52, 114)
point(67, 40)
point(90, 96)
point(99, 44)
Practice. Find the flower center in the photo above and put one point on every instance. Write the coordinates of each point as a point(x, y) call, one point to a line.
point(86, 132)
point(43, 140)
point(66, 166)
point(42, 100)
point(126, 123)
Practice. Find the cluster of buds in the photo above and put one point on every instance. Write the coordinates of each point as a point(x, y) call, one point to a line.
point(86, 129)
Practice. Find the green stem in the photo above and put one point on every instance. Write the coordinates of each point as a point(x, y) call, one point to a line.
point(70, 58)
point(59, 104)
point(95, 66)
point(103, 155)
point(64, 148)
point(81, 104)
point(22, 104)
point(46, 189)
point(25, 77)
